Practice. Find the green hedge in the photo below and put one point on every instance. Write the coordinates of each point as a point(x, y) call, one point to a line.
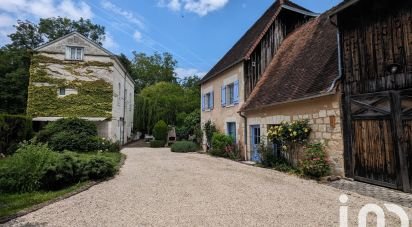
point(74, 134)
point(157, 143)
point(13, 130)
point(184, 147)
point(36, 167)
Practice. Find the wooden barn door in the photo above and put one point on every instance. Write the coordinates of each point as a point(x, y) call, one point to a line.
point(381, 136)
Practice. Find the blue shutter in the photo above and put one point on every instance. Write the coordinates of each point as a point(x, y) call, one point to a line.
point(203, 103)
point(212, 100)
point(236, 92)
point(223, 100)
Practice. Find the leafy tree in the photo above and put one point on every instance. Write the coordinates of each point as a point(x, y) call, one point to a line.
point(30, 36)
point(149, 70)
point(54, 28)
point(14, 80)
point(169, 99)
point(126, 62)
point(27, 36)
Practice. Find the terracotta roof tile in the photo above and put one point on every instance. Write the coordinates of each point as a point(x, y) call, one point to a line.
point(306, 65)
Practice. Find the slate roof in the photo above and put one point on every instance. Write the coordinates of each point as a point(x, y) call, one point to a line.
point(306, 65)
point(242, 48)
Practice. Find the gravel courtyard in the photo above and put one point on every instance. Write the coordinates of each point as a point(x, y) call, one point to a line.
point(158, 188)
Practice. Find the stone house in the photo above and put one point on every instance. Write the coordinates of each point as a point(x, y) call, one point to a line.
point(284, 68)
point(75, 77)
point(226, 87)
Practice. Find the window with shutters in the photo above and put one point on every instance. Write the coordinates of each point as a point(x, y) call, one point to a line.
point(207, 101)
point(74, 53)
point(230, 94)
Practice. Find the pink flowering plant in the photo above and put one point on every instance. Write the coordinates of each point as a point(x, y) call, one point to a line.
point(315, 162)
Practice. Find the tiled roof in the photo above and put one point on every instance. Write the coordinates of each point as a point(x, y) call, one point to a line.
point(305, 66)
point(241, 49)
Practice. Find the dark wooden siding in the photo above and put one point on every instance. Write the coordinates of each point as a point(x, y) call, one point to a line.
point(373, 40)
point(260, 58)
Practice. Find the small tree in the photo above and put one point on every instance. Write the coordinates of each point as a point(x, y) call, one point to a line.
point(160, 130)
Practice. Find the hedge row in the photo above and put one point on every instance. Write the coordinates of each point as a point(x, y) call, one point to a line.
point(13, 130)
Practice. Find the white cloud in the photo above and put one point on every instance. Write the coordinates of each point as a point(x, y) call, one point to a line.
point(72, 9)
point(200, 7)
point(137, 36)
point(110, 43)
point(6, 20)
point(185, 72)
point(129, 16)
point(12, 10)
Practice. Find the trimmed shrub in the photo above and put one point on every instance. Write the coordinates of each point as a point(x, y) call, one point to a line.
point(161, 130)
point(13, 130)
point(97, 168)
point(157, 143)
point(315, 163)
point(75, 134)
point(36, 167)
point(222, 145)
point(184, 147)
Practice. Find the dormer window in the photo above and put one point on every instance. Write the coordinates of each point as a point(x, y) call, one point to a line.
point(74, 53)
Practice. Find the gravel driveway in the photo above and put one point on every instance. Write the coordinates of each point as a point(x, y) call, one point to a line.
point(158, 188)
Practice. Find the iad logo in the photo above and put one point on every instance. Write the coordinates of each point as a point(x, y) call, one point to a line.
point(371, 209)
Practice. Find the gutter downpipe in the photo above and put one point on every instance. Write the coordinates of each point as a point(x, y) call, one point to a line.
point(339, 57)
point(245, 132)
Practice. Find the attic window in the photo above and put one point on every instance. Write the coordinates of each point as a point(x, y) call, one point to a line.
point(74, 53)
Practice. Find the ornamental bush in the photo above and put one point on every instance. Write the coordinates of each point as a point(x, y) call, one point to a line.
point(315, 162)
point(296, 132)
point(157, 143)
point(161, 130)
point(223, 146)
point(36, 167)
point(184, 147)
point(75, 134)
point(13, 130)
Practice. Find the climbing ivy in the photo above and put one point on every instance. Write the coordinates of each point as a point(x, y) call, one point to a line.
point(94, 98)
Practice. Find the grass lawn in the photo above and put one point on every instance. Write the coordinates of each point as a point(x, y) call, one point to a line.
point(12, 203)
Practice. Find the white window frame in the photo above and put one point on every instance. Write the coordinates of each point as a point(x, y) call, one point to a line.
point(230, 94)
point(208, 97)
point(60, 91)
point(78, 54)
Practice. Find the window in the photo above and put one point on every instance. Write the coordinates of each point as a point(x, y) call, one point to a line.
point(74, 53)
point(130, 101)
point(119, 95)
point(230, 94)
point(62, 91)
point(231, 130)
point(208, 101)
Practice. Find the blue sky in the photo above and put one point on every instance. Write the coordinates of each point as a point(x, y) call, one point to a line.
point(197, 32)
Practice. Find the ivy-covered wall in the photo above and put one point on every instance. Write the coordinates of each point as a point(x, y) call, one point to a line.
point(94, 94)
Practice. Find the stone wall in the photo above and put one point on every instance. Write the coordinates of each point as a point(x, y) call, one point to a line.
point(324, 115)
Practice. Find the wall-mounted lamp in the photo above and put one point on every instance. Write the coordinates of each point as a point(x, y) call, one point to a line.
point(393, 68)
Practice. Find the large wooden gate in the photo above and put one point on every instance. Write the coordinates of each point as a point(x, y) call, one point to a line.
point(380, 138)
point(376, 56)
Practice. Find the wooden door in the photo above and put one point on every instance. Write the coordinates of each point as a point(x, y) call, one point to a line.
point(380, 138)
point(373, 149)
